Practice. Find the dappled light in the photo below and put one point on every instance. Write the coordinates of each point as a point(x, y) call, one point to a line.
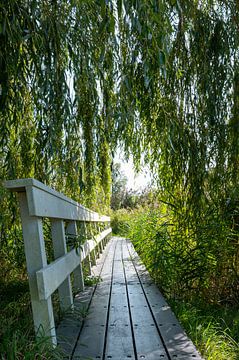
point(84, 84)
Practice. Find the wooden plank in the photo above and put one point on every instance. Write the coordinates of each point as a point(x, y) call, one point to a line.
point(174, 337)
point(36, 259)
point(37, 201)
point(90, 245)
point(119, 343)
point(177, 342)
point(69, 329)
point(147, 339)
point(46, 202)
point(99, 262)
point(78, 278)
point(53, 275)
point(59, 247)
point(148, 314)
point(50, 277)
point(92, 338)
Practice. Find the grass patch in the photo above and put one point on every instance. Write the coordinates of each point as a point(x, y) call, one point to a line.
point(92, 280)
point(120, 222)
point(17, 337)
point(213, 329)
point(189, 266)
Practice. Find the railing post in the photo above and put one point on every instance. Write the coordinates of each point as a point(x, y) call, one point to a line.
point(36, 259)
point(104, 241)
point(88, 264)
point(78, 273)
point(93, 257)
point(100, 243)
point(59, 246)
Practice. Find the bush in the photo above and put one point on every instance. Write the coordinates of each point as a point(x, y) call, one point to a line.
point(185, 261)
point(193, 266)
point(120, 220)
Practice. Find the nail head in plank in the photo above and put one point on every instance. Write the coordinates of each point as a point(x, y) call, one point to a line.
point(175, 338)
point(92, 338)
point(119, 336)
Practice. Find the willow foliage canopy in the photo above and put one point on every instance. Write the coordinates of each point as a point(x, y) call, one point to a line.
point(157, 77)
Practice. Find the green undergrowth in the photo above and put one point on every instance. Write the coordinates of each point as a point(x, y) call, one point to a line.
point(214, 329)
point(191, 271)
point(92, 280)
point(17, 337)
point(120, 221)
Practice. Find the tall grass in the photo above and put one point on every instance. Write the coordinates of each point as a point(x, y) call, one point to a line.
point(214, 329)
point(17, 337)
point(191, 269)
point(187, 262)
point(120, 220)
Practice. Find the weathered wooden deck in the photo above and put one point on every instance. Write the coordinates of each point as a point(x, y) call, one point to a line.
point(126, 316)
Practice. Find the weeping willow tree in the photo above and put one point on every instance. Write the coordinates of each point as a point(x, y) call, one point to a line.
point(50, 101)
point(54, 57)
point(184, 58)
point(157, 77)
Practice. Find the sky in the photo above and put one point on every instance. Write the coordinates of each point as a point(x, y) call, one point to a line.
point(135, 181)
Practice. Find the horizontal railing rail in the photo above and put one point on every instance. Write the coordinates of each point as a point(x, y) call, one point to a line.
point(63, 267)
point(38, 201)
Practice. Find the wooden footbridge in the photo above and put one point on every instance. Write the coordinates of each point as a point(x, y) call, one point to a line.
point(123, 316)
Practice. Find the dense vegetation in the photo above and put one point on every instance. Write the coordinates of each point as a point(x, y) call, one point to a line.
point(211, 321)
point(159, 78)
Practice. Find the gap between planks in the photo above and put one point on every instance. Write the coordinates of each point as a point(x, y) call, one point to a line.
point(128, 318)
point(71, 326)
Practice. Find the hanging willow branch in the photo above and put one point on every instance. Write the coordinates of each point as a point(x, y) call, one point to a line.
point(158, 77)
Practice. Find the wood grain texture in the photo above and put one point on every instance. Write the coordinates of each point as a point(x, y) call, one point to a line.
point(128, 318)
point(119, 342)
point(175, 340)
point(147, 340)
point(51, 276)
point(44, 201)
point(34, 245)
point(39, 201)
point(69, 329)
point(92, 337)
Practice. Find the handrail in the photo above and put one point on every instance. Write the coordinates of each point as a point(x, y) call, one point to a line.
point(63, 267)
point(38, 201)
point(38, 196)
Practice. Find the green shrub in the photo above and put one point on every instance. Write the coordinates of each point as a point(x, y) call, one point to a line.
point(120, 220)
point(17, 337)
point(194, 269)
point(185, 261)
point(213, 328)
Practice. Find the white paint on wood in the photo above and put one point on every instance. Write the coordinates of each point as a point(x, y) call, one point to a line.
point(46, 202)
point(52, 276)
point(90, 245)
point(59, 246)
point(78, 279)
point(36, 259)
point(37, 201)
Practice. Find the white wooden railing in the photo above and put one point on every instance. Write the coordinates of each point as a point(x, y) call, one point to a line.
point(38, 201)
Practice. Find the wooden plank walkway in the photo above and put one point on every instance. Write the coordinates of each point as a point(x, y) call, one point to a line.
point(126, 316)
